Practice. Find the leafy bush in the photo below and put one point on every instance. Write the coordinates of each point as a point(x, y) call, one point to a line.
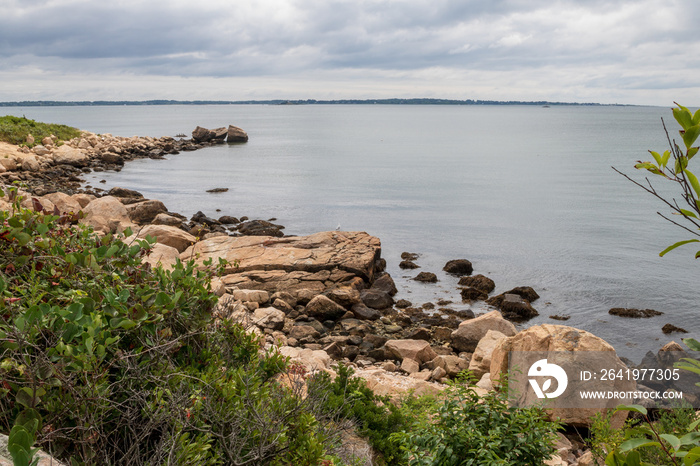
point(676, 170)
point(108, 361)
point(376, 417)
point(650, 444)
point(15, 130)
point(468, 429)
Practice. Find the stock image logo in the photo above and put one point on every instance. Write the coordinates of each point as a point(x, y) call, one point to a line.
point(541, 369)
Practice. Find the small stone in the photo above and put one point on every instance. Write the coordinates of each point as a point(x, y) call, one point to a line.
point(458, 267)
point(473, 294)
point(479, 282)
point(426, 277)
point(669, 328)
point(409, 256)
point(408, 265)
point(389, 366)
point(403, 304)
point(634, 313)
point(410, 366)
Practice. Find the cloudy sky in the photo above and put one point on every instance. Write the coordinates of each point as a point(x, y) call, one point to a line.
point(607, 51)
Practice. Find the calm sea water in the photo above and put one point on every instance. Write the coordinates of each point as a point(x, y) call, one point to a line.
point(526, 193)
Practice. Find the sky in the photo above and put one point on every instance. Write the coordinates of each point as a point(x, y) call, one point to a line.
point(644, 52)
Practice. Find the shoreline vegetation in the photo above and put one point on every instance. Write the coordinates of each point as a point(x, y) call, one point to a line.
point(132, 335)
point(416, 101)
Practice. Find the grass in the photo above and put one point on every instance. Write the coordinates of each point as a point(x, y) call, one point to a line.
point(16, 129)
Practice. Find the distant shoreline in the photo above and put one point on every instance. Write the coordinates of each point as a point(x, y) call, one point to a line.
point(88, 103)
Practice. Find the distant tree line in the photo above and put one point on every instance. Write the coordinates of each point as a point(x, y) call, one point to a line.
point(88, 103)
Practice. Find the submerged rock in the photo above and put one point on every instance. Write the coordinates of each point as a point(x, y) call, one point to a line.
point(634, 313)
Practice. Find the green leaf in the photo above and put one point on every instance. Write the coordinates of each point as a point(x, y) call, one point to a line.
point(656, 156)
point(636, 408)
point(120, 322)
point(664, 159)
point(692, 344)
point(683, 117)
point(25, 397)
point(633, 443)
point(691, 152)
point(693, 181)
point(672, 440)
point(688, 213)
point(690, 135)
point(675, 245)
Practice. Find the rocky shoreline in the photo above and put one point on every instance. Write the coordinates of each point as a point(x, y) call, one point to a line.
point(320, 299)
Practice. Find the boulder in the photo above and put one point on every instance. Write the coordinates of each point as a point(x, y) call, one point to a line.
point(68, 155)
point(63, 202)
point(340, 253)
point(260, 228)
point(480, 363)
point(163, 255)
point(469, 332)
point(165, 219)
point(396, 387)
point(269, 318)
point(363, 312)
point(202, 134)
point(562, 341)
point(40, 150)
point(219, 134)
point(324, 308)
point(311, 359)
point(670, 328)
point(452, 365)
point(458, 267)
point(345, 296)
point(376, 299)
point(418, 350)
point(426, 277)
point(107, 215)
point(305, 334)
point(525, 292)
point(254, 296)
point(124, 192)
point(408, 265)
point(473, 294)
point(236, 134)
point(386, 284)
point(165, 234)
point(517, 309)
point(634, 313)
point(83, 199)
point(480, 282)
point(145, 211)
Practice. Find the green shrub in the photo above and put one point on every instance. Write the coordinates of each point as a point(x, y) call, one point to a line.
point(468, 429)
point(16, 129)
point(376, 417)
point(120, 363)
point(651, 443)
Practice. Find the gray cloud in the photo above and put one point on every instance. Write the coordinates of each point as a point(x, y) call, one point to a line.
point(596, 43)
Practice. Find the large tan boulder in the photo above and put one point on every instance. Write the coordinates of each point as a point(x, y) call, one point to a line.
point(349, 251)
point(470, 332)
point(163, 255)
point(396, 386)
point(311, 359)
point(418, 350)
point(68, 155)
point(168, 235)
point(480, 363)
point(64, 202)
point(313, 283)
point(107, 215)
point(574, 351)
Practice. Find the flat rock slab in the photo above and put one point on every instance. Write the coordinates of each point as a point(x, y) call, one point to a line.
point(321, 257)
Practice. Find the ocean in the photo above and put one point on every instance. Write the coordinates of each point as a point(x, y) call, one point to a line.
point(526, 193)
